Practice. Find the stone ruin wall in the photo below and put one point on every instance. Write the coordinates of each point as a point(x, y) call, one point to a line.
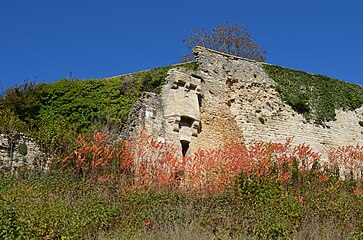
point(12, 159)
point(224, 101)
point(175, 115)
point(251, 97)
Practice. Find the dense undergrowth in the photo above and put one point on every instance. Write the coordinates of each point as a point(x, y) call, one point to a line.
point(142, 189)
point(59, 206)
point(315, 96)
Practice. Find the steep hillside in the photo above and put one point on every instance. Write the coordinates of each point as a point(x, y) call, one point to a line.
point(224, 148)
point(53, 113)
point(315, 96)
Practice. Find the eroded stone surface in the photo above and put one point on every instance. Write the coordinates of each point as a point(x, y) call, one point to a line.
point(20, 151)
point(260, 113)
point(233, 99)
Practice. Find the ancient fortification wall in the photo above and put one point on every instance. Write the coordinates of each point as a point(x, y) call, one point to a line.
point(232, 99)
point(227, 99)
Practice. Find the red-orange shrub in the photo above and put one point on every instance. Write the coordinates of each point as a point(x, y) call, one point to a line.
point(97, 159)
point(145, 162)
point(347, 160)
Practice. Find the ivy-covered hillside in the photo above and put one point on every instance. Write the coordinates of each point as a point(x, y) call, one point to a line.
point(315, 96)
point(55, 113)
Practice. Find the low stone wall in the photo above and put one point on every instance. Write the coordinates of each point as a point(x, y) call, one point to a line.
point(20, 152)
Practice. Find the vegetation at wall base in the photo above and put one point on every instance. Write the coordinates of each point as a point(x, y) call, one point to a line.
point(317, 97)
point(60, 206)
point(265, 191)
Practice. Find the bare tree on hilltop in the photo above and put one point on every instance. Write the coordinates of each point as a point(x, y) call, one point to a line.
point(228, 38)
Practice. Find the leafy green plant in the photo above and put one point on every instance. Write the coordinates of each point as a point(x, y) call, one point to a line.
point(54, 134)
point(10, 225)
point(10, 122)
point(150, 80)
point(23, 101)
point(23, 149)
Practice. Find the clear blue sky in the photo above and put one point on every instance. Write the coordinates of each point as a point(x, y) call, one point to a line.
point(44, 40)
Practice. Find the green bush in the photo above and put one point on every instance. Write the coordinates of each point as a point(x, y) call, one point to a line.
point(10, 122)
point(23, 149)
point(23, 101)
point(10, 225)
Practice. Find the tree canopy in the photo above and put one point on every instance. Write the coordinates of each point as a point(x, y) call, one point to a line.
point(228, 38)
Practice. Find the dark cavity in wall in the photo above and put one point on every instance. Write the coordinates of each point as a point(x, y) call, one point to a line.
point(185, 121)
point(185, 147)
point(200, 99)
point(199, 77)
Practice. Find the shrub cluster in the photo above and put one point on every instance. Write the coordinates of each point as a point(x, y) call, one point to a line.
point(155, 164)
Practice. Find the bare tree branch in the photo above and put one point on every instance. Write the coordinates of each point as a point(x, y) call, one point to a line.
point(228, 38)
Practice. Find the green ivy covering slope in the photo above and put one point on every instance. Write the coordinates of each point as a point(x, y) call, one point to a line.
point(315, 96)
point(82, 102)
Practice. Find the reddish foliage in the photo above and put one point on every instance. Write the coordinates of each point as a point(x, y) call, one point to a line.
point(348, 160)
point(217, 170)
point(99, 160)
point(145, 162)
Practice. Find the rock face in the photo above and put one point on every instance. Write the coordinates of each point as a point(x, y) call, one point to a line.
point(20, 151)
point(232, 99)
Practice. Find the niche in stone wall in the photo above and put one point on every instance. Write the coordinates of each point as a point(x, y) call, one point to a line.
point(185, 147)
point(200, 99)
point(187, 125)
point(185, 122)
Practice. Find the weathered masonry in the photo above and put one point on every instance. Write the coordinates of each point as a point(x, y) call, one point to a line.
point(232, 99)
point(228, 99)
point(20, 152)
